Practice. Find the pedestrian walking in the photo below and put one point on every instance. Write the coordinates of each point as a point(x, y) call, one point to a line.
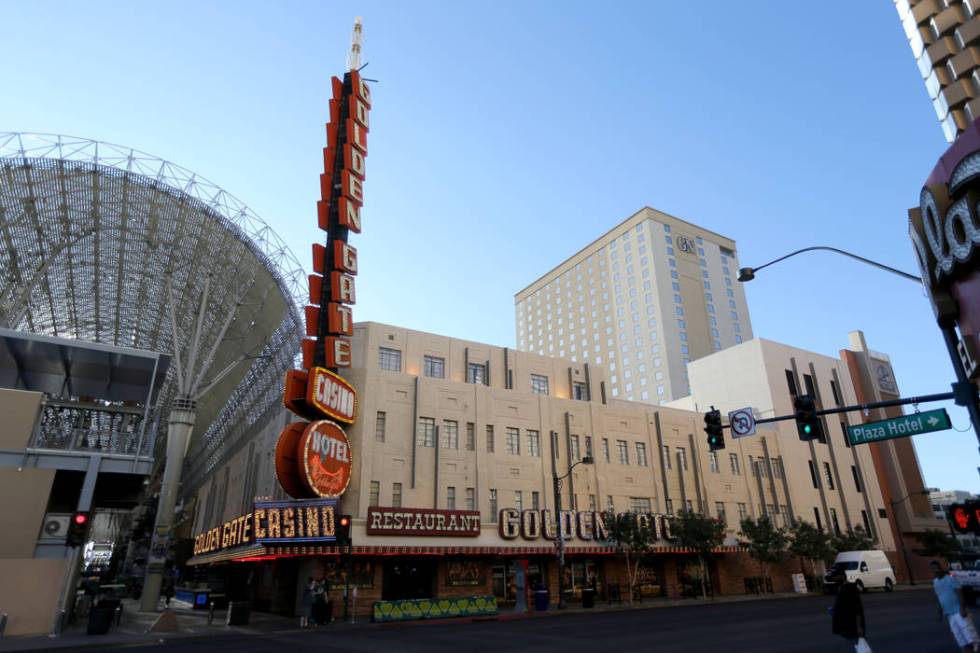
point(306, 603)
point(953, 608)
point(848, 612)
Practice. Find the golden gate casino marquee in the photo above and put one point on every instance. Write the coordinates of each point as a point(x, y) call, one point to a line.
point(313, 457)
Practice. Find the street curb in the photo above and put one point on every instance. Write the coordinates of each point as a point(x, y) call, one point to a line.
point(145, 640)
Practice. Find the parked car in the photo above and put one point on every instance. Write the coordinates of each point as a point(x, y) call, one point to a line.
point(866, 569)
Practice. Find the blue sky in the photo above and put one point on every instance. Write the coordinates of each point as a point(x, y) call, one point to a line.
point(506, 135)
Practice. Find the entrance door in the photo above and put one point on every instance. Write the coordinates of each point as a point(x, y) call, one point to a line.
point(408, 578)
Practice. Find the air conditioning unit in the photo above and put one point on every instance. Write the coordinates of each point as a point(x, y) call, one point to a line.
point(55, 526)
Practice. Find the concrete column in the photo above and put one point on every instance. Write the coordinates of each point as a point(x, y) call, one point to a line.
point(180, 426)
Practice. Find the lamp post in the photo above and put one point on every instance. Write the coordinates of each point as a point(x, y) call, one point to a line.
point(964, 390)
point(905, 551)
point(559, 540)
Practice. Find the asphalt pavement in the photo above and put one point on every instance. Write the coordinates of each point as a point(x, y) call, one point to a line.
point(902, 621)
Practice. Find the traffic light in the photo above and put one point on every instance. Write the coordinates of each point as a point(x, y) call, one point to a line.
point(343, 531)
point(714, 429)
point(807, 423)
point(77, 529)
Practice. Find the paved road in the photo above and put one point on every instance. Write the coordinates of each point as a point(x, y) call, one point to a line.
point(902, 621)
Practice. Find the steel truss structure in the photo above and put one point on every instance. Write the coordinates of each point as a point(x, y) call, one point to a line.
point(112, 245)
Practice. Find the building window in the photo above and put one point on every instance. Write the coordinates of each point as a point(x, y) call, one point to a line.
point(513, 441)
point(640, 505)
point(580, 391)
point(689, 506)
point(533, 443)
point(857, 480)
point(519, 500)
point(791, 383)
point(493, 505)
point(605, 449)
point(669, 506)
point(720, 512)
point(867, 522)
point(834, 390)
point(470, 436)
point(588, 446)
point(539, 384)
point(610, 505)
point(435, 367)
point(471, 498)
point(490, 443)
point(379, 426)
point(450, 434)
point(713, 461)
point(833, 520)
point(665, 454)
point(573, 449)
point(375, 493)
point(742, 513)
point(882, 513)
point(451, 498)
point(813, 474)
point(390, 359)
point(641, 454)
point(427, 432)
point(733, 462)
point(623, 452)
point(828, 475)
point(535, 500)
point(476, 373)
point(777, 467)
point(682, 457)
point(816, 515)
point(396, 495)
point(843, 429)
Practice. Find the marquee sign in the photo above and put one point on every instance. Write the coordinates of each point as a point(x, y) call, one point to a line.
point(584, 525)
point(274, 522)
point(423, 522)
point(316, 392)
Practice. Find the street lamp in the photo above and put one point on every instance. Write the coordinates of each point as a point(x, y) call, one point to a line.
point(905, 551)
point(965, 393)
point(559, 540)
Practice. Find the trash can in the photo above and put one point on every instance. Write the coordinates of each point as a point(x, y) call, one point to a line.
point(541, 600)
point(99, 621)
point(239, 613)
point(588, 597)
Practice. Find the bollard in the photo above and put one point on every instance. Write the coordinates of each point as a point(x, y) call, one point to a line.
point(118, 615)
point(3, 624)
point(211, 613)
point(59, 623)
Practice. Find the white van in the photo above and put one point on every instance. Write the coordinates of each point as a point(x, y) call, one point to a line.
point(866, 569)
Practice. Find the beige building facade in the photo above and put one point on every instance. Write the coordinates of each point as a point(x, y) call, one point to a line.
point(458, 426)
point(836, 486)
point(642, 300)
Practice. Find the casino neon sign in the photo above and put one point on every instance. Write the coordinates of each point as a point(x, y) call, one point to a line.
point(313, 458)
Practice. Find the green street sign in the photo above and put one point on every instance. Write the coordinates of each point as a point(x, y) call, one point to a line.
point(899, 427)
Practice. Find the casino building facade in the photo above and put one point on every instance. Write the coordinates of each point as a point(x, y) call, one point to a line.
point(454, 451)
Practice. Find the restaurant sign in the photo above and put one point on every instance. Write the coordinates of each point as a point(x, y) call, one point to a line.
point(423, 522)
point(274, 523)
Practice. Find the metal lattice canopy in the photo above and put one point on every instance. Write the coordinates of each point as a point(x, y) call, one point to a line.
point(92, 234)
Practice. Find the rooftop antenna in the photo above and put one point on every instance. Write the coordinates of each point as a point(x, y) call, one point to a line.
point(354, 58)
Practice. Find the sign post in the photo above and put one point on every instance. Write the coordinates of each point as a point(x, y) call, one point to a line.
point(899, 427)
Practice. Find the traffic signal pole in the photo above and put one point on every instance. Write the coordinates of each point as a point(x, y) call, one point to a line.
point(924, 399)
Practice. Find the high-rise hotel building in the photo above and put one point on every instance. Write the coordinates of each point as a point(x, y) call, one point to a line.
point(945, 40)
point(642, 300)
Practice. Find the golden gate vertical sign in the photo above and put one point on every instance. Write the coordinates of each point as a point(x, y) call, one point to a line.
point(317, 392)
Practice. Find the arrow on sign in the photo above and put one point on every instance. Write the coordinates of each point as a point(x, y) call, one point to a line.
point(932, 421)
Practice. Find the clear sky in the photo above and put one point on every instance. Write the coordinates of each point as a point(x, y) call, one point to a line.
point(507, 135)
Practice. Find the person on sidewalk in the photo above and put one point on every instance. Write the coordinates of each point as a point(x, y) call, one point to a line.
point(848, 612)
point(306, 603)
point(953, 608)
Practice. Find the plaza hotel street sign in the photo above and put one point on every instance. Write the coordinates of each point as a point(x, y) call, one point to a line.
point(313, 458)
point(945, 233)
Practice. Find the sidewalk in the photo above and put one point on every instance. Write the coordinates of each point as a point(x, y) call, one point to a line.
point(193, 623)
